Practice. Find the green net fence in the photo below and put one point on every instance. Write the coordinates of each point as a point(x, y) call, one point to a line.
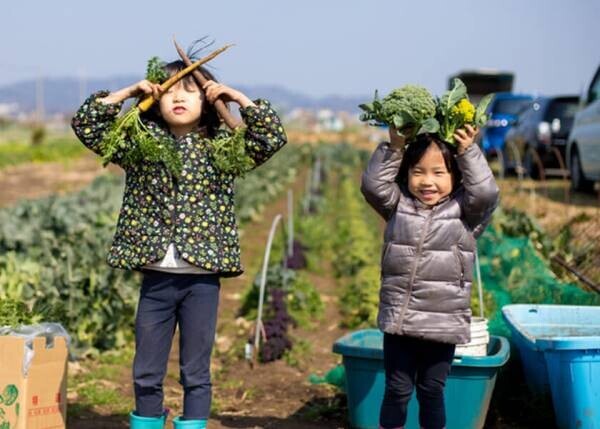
point(514, 270)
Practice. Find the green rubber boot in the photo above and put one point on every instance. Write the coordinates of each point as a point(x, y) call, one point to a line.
point(139, 422)
point(188, 424)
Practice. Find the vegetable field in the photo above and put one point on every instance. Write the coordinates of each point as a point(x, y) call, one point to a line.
point(52, 259)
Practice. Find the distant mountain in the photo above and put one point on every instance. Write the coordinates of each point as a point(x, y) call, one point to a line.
point(63, 95)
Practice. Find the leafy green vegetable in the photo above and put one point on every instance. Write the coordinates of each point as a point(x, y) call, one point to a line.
point(455, 111)
point(128, 129)
point(230, 153)
point(155, 71)
point(413, 111)
point(14, 313)
point(408, 109)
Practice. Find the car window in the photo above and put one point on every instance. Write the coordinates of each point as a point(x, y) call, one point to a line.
point(510, 106)
point(528, 113)
point(562, 109)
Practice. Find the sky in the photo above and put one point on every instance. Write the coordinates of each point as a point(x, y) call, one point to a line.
point(315, 47)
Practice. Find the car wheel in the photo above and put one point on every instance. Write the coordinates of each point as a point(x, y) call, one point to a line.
point(578, 180)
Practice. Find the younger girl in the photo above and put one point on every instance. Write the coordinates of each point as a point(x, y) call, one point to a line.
point(436, 199)
point(179, 231)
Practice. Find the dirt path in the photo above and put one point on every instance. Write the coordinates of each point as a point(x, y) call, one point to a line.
point(274, 395)
point(35, 180)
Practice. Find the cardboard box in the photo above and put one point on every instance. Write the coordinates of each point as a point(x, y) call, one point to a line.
point(37, 400)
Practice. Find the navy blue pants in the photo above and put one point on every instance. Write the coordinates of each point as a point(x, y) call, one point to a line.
point(409, 361)
point(189, 301)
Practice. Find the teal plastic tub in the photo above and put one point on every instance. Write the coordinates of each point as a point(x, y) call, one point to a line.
point(468, 389)
point(559, 347)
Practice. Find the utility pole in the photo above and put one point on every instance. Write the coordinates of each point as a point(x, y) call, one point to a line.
point(39, 98)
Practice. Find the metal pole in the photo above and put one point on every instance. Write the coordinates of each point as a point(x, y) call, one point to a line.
point(263, 282)
point(479, 284)
point(290, 209)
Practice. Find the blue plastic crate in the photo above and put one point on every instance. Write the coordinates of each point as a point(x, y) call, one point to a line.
point(468, 390)
point(560, 351)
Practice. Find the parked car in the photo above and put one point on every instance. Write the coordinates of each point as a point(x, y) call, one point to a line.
point(583, 144)
point(502, 111)
point(543, 126)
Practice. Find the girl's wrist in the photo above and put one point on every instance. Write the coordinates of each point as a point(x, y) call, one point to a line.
point(120, 95)
point(395, 145)
point(132, 90)
point(242, 100)
point(461, 149)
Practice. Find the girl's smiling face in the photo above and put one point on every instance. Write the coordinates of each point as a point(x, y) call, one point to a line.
point(429, 179)
point(181, 106)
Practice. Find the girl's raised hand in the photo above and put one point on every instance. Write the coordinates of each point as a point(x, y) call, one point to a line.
point(214, 91)
point(143, 87)
point(146, 87)
point(396, 141)
point(465, 137)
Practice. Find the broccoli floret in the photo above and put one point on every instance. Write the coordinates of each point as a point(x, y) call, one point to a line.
point(405, 108)
point(401, 107)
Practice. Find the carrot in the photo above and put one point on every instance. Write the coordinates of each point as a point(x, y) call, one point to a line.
point(220, 106)
point(145, 104)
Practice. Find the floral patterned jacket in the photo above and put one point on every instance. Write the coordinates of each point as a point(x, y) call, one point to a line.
point(196, 211)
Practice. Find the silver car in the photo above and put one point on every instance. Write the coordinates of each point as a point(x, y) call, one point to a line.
point(583, 145)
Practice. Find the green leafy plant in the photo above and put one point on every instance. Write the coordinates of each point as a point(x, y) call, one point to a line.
point(455, 111)
point(14, 313)
point(230, 155)
point(155, 71)
point(410, 109)
point(147, 146)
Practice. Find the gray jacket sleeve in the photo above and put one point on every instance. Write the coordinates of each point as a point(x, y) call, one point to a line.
point(481, 195)
point(378, 183)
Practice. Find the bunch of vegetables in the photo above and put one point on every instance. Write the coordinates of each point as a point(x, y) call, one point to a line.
point(229, 153)
point(412, 110)
point(455, 111)
point(130, 126)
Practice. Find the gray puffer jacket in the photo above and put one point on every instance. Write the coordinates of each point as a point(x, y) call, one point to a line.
point(428, 253)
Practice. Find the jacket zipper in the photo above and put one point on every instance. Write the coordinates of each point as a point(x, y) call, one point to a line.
point(416, 264)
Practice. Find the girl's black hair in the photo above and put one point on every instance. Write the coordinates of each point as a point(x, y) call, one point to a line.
point(209, 121)
point(415, 151)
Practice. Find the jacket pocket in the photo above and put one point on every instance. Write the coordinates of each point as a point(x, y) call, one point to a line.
point(461, 266)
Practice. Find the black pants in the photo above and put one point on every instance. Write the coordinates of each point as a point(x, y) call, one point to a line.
point(168, 300)
point(408, 360)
